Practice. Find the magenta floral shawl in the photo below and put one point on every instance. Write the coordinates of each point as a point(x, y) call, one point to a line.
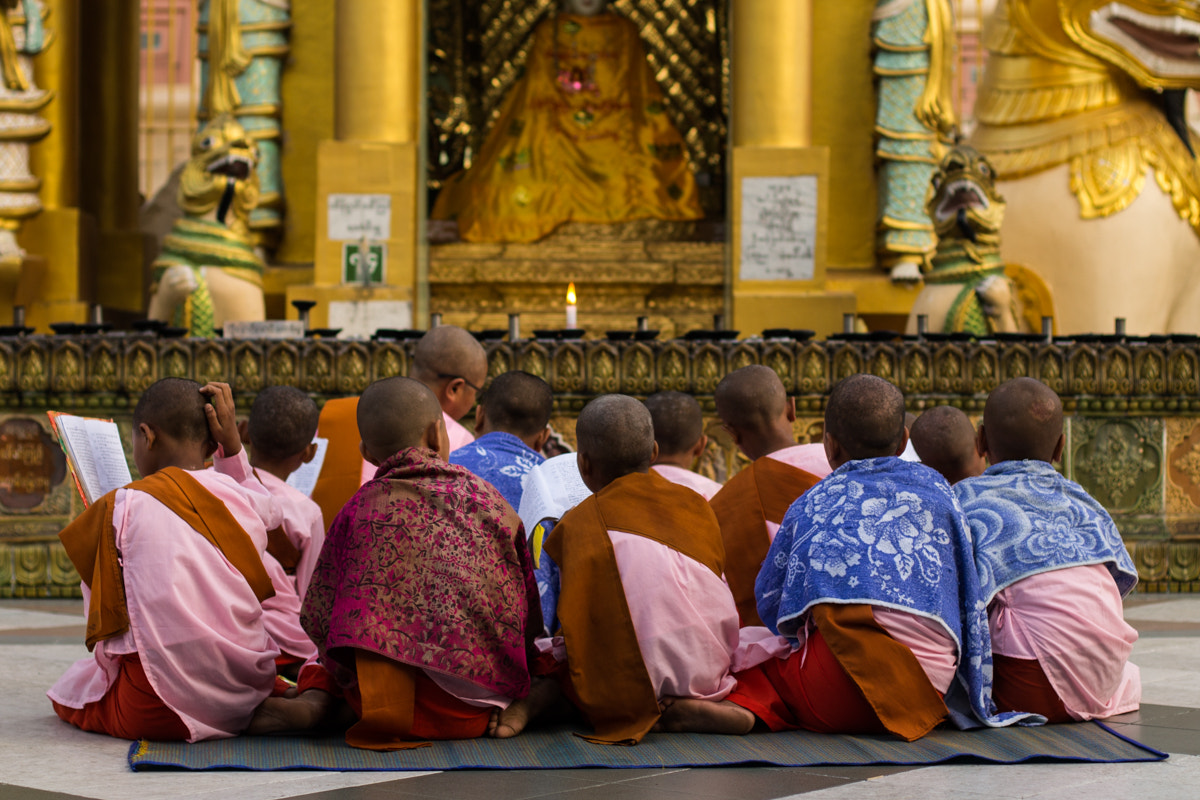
point(427, 565)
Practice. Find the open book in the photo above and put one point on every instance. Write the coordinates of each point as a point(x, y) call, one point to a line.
point(94, 453)
point(550, 490)
point(305, 478)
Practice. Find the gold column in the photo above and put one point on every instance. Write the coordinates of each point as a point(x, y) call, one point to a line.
point(377, 101)
point(52, 285)
point(772, 73)
point(771, 134)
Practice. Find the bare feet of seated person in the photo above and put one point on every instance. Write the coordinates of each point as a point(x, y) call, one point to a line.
point(688, 715)
point(295, 714)
point(508, 722)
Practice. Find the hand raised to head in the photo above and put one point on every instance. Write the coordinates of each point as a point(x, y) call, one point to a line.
point(222, 417)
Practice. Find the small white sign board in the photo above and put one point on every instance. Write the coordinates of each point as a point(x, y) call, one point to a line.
point(357, 216)
point(265, 329)
point(779, 228)
point(359, 319)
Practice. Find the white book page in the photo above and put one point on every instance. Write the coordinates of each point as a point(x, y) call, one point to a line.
point(94, 448)
point(108, 456)
point(550, 490)
point(305, 478)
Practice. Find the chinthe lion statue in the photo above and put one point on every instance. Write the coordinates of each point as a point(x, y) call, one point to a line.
point(966, 288)
point(208, 273)
point(1081, 112)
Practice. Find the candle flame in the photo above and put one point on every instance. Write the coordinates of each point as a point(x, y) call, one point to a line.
point(571, 294)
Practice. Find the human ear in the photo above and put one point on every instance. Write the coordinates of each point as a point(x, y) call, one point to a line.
point(698, 449)
point(310, 453)
point(791, 409)
point(903, 442)
point(541, 439)
point(362, 449)
point(149, 434)
point(1058, 449)
point(654, 453)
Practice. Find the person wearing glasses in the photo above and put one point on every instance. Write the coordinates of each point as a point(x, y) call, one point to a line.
point(452, 363)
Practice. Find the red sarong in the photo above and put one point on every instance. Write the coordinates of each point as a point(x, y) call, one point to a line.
point(129, 710)
point(809, 691)
point(1020, 684)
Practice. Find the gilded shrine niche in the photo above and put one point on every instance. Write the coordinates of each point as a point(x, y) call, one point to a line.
point(670, 270)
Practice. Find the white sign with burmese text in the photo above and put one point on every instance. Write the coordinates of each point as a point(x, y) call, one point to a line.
point(779, 228)
point(360, 216)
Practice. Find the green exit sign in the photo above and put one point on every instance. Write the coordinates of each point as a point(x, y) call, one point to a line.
point(353, 266)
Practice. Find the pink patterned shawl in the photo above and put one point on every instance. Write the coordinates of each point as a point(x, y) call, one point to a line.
point(427, 565)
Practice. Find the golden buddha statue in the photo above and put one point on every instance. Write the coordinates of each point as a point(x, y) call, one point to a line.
point(583, 137)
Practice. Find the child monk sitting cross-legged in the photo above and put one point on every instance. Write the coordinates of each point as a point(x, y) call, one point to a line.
point(173, 581)
point(643, 612)
point(1052, 566)
point(423, 605)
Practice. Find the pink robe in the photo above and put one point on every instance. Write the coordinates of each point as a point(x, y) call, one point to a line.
point(194, 620)
point(705, 487)
point(302, 523)
point(809, 457)
point(1071, 621)
point(459, 436)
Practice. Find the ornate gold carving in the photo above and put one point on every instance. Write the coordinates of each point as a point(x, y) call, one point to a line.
point(247, 361)
point(1149, 370)
point(883, 364)
point(1082, 366)
point(1183, 466)
point(814, 370)
point(568, 369)
point(1051, 368)
point(174, 360)
point(102, 370)
point(1117, 369)
point(949, 367)
point(318, 368)
point(210, 363)
point(352, 369)
point(1181, 371)
point(602, 369)
point(673, 363)
point(742, 356)
point(984, 370)
point(707, 368)
point(846, 362)
point(31, 365)
point(282, 365)
point(535, 360)
point(637, 369)
point(67, 365)
point(782, 361)
point(1119, 461)
point(390, 361)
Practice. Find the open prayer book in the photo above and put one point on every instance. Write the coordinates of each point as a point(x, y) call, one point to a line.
point(94, 453)
point(550, 490)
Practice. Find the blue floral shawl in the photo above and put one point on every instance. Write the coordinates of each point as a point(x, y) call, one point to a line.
point(887, 533)
point(501, 459)
point(1027, 519)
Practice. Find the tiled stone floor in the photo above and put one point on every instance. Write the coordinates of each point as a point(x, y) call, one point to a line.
point(42, 758)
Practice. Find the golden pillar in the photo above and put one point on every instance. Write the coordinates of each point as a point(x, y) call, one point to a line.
point(53, 284)
point(372, 163)
point(771, 129)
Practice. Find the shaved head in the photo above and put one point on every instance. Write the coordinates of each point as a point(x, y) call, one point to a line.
point(1023, 419)
point(944, 438)
point(678, 422)
point(750, 398)
point(395, 414)
point(865, 414)
point(448, 350)
point(616, 435)
point(283, 421)
point(518, 403)
point(174, 407)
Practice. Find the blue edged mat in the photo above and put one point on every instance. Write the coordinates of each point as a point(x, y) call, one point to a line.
point(557, 748)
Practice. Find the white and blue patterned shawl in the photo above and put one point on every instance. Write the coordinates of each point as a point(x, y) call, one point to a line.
point(1027, 519)
point(887, 533)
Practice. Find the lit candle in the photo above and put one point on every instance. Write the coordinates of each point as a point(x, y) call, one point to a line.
point(572, 321)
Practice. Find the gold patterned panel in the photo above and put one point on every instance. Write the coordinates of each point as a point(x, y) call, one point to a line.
point(31, 569)
point(32, 372)
point(1116, 371)
point(847, 361)
point(209, 360)
point(708, 367)
point(781, 359)
point(499, 359)
point(813, 362)
point(390, 360)
point(1181, 371)
point(63, 579)
point(1082, 371)
point(1051, 368)
point(7, 368)
point(247, 360)
point(567, 368)
point(1150, 558)
point(637, 369)
point(602, 368)
point(103, 368)
point(352, 369)
point(1183, 466)
point(317, 366)
point(916, 371)
point(883, 363)
point(67, 368)
point(674, 363)
point(949, 370)
point(175, 360)
point(741, 355)
point(1015, 362)
point(985, 370)
point(283, 365)
point(535, 359)
point(141, 366)
point(1150, 371)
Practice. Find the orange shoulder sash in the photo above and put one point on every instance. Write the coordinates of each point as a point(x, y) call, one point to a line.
point(605, 662)
point(760, 493)
point(90, 543)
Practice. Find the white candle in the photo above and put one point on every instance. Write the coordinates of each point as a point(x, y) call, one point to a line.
point(572, 320)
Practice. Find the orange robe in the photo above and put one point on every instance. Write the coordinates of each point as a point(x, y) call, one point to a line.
point(584, 136)
point(759, 494)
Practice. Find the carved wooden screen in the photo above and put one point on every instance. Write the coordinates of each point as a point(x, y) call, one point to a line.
point(477, 48)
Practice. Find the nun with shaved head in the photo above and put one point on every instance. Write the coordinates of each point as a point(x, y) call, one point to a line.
point(1052, 566)
point(422, 606)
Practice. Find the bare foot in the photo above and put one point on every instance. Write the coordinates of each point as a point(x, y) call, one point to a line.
point(508, 722)
point(290, 714)
point(687, 715)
